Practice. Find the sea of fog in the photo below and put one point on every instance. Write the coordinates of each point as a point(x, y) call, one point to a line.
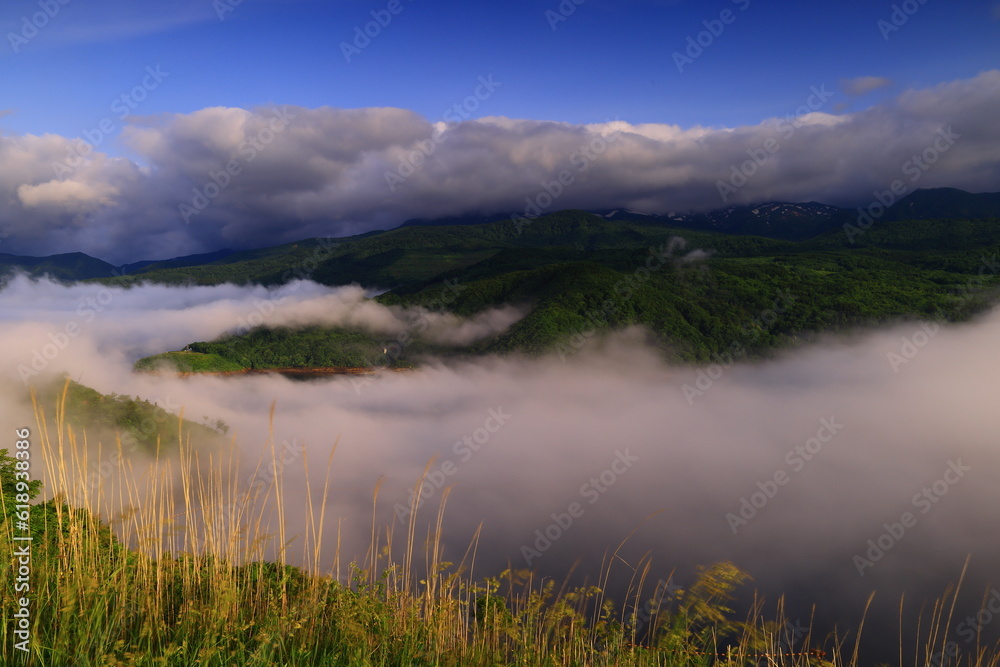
point(852, 465)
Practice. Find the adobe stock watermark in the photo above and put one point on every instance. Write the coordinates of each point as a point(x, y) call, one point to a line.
point(364, 34)
point(21, 482)
point(915, 167)
point(263, 309)
point(722, 362)
point(924, 501)
point(697, 43)
point(121, 106)
point(562, 13)
point(988, 267)
point(258, 483)
point(591, 491)
point(596, 318)
point(223, 7)
point(740, 175)
point(147, 428)
point(292, 280)
point(425, 148)
point(462, 452)
point(33, 24)
point(87, 310)
point(898, 17)
point(582, 158)
point(89, 479)
point(911, 345)
point(790, 634)
point(969, 629)
point(393, 349)
point(217, 181)
point(101, 471)
point(665, 594)
point(262, 479)
point(796, 459)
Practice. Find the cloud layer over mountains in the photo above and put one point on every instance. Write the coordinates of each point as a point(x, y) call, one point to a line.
point(229, 177)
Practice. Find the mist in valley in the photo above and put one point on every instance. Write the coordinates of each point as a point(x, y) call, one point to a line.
point(851, 465)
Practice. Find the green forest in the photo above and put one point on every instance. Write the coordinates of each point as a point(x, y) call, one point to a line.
point(702, 295)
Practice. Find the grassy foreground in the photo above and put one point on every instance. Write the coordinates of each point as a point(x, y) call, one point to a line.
point(171, 582)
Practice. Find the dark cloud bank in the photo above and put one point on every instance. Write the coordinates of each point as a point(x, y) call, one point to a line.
point(229, 177)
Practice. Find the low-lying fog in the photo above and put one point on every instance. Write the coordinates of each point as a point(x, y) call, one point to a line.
point(788, 468)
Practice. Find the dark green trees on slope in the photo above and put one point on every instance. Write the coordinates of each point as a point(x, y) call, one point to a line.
point(706, 296)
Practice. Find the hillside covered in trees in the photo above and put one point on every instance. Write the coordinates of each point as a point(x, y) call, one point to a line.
point(702, 295)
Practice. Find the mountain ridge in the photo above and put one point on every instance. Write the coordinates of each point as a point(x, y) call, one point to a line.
point(788, 221)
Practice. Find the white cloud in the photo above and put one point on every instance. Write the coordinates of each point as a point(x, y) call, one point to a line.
point(72, 195)
point(146, 319)
point(324, 171)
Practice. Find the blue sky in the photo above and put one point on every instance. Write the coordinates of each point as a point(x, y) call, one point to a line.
point(606, 60)
point(114, 115)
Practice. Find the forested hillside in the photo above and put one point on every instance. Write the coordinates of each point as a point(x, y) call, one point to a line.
point(702, 295)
